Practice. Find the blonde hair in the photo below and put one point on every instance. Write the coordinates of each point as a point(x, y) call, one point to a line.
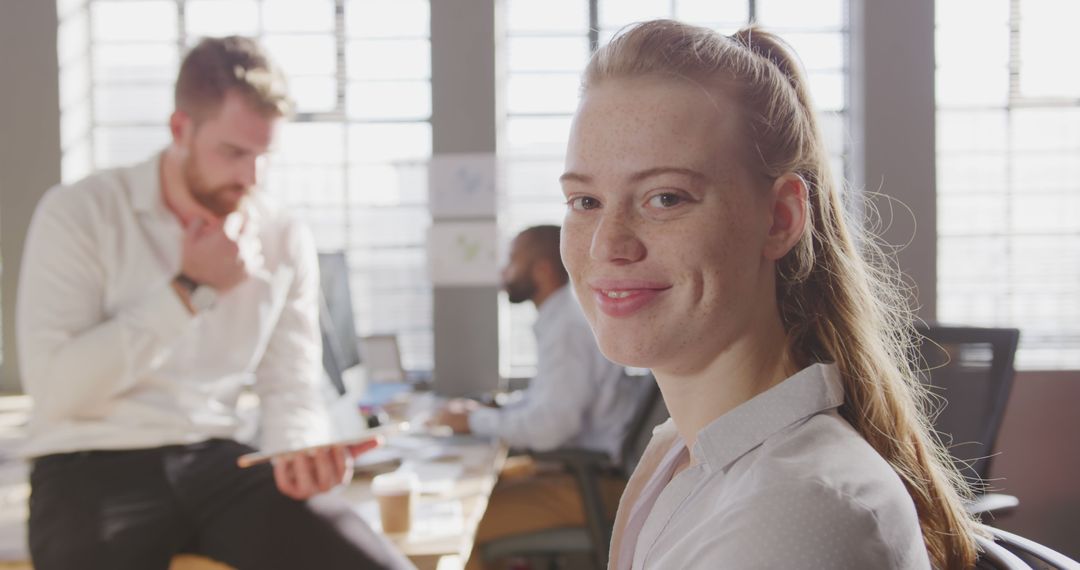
point(217, 65)
point(835, 305)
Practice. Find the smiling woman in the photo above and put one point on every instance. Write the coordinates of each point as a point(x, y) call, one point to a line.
point(706, 241)
point(661, 169)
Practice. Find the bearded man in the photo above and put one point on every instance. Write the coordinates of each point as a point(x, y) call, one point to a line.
point(577, 399)
point(150, 297)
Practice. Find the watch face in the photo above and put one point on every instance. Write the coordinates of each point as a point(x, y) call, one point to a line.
point(203, 298)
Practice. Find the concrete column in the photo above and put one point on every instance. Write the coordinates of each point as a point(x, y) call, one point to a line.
point(29, 143)
point(892, 111)
point(463, 120)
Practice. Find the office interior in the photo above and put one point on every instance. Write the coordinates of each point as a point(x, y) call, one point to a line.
point(957, 121)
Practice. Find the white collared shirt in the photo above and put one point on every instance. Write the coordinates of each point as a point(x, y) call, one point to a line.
point(578, 398)
point(781, 481)
point(113, 359)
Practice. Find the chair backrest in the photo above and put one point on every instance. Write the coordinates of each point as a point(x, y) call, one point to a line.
point(650, 413)
point(972, 369)
point(993, 556)
point(340, 344)
point(1031, 552)
point(1006, 551)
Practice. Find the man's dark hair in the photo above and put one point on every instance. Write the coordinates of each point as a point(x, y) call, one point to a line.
point(217, 65)
point(543, 243)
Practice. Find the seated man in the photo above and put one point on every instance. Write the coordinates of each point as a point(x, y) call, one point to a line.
point(150, 297)
point(577, 399)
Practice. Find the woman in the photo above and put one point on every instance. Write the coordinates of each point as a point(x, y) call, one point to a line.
point(705, 240)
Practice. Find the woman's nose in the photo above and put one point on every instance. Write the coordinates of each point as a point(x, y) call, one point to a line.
point(616, 239)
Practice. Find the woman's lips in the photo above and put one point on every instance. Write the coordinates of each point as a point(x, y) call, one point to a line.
point(624, 298)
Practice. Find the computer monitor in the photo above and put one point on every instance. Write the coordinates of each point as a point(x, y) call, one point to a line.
point(383, 358)
point(340, 343)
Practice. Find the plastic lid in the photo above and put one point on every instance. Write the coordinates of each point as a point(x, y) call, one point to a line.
point(394, 482)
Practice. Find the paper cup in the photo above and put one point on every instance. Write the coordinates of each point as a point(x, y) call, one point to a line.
point(394, 493)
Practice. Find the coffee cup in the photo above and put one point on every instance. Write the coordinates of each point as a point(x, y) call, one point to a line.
point(394, 492)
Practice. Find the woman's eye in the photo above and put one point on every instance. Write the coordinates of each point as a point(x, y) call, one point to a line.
point(584, 203)
point(665, 200)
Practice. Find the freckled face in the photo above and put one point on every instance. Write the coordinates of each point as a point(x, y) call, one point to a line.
point(665, 226)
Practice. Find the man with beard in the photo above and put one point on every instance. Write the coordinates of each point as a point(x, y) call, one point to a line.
point(150, 297)
point(577, 399)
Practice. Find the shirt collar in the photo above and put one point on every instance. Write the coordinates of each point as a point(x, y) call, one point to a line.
point(144, 186)
point(812, 390)
point(553, 306)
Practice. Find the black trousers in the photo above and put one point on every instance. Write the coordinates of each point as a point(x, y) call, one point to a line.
point(135, 509)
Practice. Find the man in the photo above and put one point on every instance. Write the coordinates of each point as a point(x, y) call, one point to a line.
point(577, 399)
point(150, 296)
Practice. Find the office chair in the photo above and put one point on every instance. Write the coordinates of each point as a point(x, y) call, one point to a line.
point(588, 467)
point(1006, 551)
point(993, 556)
point(972, 369)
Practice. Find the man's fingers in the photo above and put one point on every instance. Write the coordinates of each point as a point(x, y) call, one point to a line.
point(342, 460)
point(283, 478)
point(443, 417)
point(326, 476)
point(305, 478)
point(303, 475)
point(356, 449)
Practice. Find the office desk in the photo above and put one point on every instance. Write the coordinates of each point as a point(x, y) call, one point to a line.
point(445, 537)
point(444, 548)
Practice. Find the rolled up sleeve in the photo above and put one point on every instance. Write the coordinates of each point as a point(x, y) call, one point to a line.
point(74, 356)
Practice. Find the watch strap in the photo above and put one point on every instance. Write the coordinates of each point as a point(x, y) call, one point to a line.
point(186, 282)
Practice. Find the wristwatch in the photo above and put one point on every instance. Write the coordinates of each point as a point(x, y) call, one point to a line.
point(202, 297)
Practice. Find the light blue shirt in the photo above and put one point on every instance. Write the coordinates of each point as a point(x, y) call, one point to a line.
point(578, 398)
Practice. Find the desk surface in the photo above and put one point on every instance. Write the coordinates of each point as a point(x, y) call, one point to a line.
point(445, 520)
point(442, 540)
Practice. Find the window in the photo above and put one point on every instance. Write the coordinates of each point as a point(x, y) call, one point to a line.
point(547, 47)
point(352, 163)
point(1008, 174)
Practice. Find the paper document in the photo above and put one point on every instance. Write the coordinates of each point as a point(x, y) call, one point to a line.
point(436, 478)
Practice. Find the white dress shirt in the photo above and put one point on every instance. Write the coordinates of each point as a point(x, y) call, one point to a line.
point(114, 360)
point(578, 398)
point(781, 481)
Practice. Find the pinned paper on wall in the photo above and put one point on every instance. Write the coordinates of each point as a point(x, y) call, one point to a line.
point(463, 253)
point(462, 185)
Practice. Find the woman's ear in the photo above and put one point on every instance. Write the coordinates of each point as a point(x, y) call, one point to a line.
point(788, 198)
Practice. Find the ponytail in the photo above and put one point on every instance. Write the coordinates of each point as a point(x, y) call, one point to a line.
point(838, 302)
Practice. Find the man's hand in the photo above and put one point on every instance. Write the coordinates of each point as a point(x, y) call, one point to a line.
point(210, 257)
point(304, 475)
point(455, 415)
